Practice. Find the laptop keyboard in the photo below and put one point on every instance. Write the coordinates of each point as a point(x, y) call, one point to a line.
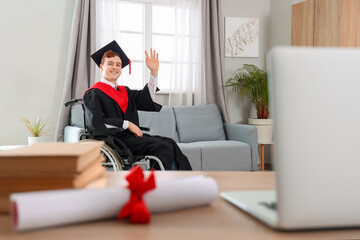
point(271, 205)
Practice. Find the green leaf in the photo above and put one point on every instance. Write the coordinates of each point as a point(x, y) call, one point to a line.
point(252, 82)
point(37, 127)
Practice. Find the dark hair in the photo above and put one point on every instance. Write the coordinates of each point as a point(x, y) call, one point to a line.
point(109, 54)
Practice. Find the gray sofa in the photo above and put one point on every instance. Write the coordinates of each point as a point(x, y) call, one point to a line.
point(200, 133)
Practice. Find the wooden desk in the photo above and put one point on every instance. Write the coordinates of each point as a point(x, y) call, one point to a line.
point(220, 220)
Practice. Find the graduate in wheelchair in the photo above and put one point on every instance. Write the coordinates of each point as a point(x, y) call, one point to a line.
point(111, 109)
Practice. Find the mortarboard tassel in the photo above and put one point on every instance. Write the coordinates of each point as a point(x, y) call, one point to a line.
point(129, 67)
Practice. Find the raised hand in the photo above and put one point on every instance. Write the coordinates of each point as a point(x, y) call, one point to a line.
point(152, 62)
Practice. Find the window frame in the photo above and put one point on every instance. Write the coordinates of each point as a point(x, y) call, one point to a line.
point(148, 36)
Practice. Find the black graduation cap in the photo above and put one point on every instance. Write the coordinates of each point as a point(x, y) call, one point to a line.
point(113, 46)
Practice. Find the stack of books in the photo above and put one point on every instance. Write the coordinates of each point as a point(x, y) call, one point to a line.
point(48, 166)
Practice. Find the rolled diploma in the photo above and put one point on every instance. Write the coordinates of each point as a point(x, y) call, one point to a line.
point(33, 210)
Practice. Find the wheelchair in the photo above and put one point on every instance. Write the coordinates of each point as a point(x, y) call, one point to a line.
point(117, 156)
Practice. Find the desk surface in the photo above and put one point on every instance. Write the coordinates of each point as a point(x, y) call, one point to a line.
point(220, 220)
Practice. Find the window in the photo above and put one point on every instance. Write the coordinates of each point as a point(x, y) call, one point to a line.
point(140, 25)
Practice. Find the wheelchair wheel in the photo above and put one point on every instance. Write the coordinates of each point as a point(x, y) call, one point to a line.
point(154, 163)
point(112, 162)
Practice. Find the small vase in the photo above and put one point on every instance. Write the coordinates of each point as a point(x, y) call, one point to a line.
point(33, 140)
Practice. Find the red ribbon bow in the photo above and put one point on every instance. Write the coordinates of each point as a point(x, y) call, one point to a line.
point(136, 207)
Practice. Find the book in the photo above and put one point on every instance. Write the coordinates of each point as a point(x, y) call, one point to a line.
point(30, 173)
point(4, 202)
point(98, 183)
point(34, 182)
point(52, 157)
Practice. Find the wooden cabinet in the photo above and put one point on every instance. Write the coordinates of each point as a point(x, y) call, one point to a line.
point(350, 23)
point(302, 24)
point(326, 23)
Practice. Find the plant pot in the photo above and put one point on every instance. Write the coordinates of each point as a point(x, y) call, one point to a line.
point(264, 129)
point(33, 140)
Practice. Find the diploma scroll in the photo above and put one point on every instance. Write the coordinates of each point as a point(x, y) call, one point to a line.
point(32, 210)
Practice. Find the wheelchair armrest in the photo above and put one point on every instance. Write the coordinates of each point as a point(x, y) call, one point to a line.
point(144, 128)
point(110, 131)
point(114, 130)
point(72, 101)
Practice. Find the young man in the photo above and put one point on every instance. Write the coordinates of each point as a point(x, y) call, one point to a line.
point(108, 105)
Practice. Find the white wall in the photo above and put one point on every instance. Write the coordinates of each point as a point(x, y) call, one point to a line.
point(280, 22)
point(275, 29)
point(34, 42)
point(240, 108)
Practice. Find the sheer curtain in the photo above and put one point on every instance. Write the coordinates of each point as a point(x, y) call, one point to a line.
point(107, 15)
point(187, 81)
point(186, 84)
point(124, 22)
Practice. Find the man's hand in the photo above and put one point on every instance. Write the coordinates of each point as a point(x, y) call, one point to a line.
point(135, 129)
point(152, 62)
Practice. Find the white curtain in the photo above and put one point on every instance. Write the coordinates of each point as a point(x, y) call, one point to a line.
point(187, 81)
point(107, 15)
point(187, 84)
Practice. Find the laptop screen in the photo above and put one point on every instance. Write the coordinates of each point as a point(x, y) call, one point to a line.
point(315, 105)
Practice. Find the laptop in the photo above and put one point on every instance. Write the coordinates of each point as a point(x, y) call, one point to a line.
point(315, 104)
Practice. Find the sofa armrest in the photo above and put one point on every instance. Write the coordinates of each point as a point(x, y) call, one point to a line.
point(72, 134)
point(244, 133)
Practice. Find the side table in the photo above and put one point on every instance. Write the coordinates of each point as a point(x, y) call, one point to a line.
point(263, 153)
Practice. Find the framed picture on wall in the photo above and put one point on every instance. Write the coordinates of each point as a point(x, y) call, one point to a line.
point(241, 37)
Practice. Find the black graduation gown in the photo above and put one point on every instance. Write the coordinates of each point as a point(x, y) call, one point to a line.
point(100, 109)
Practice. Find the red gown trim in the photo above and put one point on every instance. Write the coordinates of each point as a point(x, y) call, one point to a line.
point(121, 96)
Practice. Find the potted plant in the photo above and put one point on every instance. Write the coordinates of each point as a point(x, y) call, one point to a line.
point(252, 82)
point(37, 128)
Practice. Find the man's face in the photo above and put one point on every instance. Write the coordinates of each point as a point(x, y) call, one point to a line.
point(111, 68)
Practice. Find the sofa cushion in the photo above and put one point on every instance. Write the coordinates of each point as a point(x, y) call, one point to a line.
point(193, 153)
point(225, 155)
point(77, 116)
point(199, 123)
point(160, 123)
